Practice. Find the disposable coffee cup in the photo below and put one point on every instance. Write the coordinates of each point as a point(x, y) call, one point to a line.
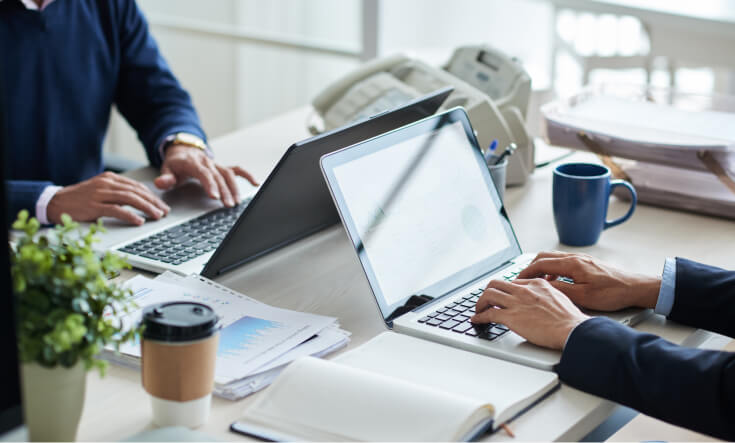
point(179, 350)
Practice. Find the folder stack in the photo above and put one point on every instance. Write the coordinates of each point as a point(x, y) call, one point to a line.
point(677, 149)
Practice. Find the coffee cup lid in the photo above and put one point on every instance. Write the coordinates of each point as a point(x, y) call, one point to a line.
point(179, 321)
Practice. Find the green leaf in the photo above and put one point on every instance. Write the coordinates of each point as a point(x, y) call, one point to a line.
point(62, 294)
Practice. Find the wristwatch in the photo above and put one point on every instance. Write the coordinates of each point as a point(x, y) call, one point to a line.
point(184, 138)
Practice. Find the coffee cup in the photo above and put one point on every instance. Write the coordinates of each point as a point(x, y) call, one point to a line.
point(581, 193)
point(179, 349)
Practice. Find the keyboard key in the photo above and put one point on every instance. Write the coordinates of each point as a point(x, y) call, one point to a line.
point(482, 328)
point(450, 305)
point(461, 318)
point(496, 330)
point(442, 310)
point(460, 308)
point(476, 292)
point(469, 304)
point(503, 327)
point(442, 317)
point(425, 319)
point(451, 313)
point(449, 324)
point(462, 327)
point(471, 332)
point(434, 322)
point(433, 314)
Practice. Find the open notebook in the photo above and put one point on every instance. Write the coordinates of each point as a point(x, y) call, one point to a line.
point(394, 388)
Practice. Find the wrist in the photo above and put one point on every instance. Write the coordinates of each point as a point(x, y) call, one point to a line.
point(179, 149)
point(569, 328)
point(184, 139)
point(55, 208)
point(646, 290)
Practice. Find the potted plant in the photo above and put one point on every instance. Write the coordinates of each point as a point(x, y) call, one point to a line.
point(66, 310)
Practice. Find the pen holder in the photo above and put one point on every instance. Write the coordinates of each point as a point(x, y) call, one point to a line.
point(497, 172)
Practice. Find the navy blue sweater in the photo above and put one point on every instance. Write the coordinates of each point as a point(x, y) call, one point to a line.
point(63, 69)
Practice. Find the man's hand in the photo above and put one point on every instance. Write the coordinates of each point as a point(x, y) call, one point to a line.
point(104, 195)
point(596, 285)
point(532, 309)
point(182, 162)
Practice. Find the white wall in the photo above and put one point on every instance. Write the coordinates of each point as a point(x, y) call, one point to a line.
point(235, 83)
point(430, 29)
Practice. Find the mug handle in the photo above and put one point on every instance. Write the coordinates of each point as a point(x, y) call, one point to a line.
point(633, 198)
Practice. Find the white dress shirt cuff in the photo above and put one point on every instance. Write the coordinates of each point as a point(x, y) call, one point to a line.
point(668, 288)
point(43, 201)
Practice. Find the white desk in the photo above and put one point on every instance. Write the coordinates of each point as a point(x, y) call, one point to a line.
point(320, 274)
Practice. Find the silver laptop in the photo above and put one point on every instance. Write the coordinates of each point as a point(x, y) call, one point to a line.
point(430, 232)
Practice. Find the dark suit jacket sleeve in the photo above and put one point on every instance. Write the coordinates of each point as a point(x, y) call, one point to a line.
point(23, 194)
point(691, 388)
point(148, 95)
point(704, 297)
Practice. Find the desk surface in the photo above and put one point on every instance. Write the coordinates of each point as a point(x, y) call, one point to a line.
point(321, 274)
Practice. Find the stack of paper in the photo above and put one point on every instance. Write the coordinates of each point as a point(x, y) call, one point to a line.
point(640, 130)
point(667, 142)
point(695, 191)
point(256, 341)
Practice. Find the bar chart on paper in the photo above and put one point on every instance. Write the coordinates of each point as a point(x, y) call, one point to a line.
point(253, 333)
point(243, 334)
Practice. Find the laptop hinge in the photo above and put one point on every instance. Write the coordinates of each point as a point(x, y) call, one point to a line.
point(480, 277)
point(418, 301)
point(413, 302)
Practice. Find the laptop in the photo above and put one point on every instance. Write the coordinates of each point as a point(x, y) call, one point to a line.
point(291, 204)
point(430, 232)
point(11, 413)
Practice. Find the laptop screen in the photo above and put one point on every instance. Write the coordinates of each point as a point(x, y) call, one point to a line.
point(421, 209)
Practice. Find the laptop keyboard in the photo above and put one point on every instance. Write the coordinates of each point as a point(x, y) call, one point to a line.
point(188, 240)
point(455, 316)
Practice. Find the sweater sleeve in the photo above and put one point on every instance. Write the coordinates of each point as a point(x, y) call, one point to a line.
point(693, 388)
point(23, 194)
point(148, 95)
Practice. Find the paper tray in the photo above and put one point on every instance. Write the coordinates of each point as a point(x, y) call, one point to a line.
point(655, 125)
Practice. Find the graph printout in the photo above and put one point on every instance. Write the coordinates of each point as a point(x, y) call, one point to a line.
point(252, 335)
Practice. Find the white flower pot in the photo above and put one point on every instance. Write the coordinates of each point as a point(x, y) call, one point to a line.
point(53, 401)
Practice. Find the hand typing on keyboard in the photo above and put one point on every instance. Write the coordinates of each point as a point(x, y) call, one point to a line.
point(533, 309)
point(596, 285)
point(182, 161)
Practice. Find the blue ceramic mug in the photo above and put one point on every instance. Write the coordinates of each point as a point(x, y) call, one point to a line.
point(581, 192)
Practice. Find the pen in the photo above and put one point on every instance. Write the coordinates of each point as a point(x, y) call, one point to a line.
point(508, 151)
point(489, 155)
point(507, 430)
